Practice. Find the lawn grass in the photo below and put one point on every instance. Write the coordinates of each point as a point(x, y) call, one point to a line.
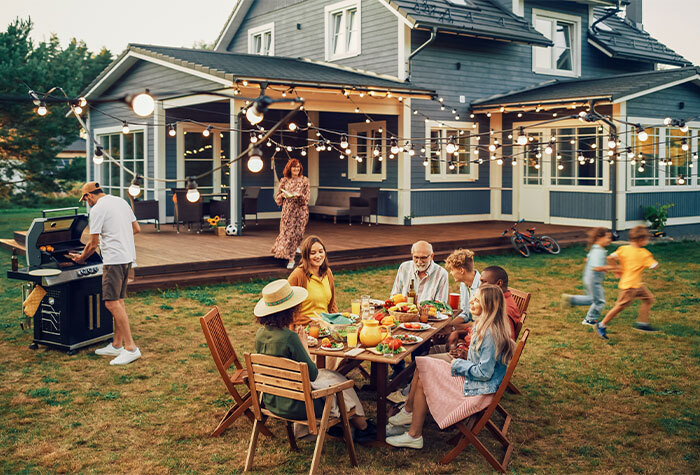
point(627, 405)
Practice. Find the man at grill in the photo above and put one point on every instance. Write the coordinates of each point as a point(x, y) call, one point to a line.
point(112, 227)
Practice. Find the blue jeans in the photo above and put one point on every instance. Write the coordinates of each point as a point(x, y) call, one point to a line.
point(595, 297)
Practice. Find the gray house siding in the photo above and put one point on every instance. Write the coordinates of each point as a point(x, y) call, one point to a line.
point(686, 203)
point(506, 201)
point(667, 103)
point(299, 32)
point(453, 202)
point(580, 205)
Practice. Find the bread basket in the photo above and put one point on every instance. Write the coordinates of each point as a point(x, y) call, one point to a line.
point(404, 316)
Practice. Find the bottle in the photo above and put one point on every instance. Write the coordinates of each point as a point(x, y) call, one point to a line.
point(15, 261)
point(411, 296)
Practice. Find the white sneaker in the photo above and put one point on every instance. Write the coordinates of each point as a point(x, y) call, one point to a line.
point(126, 357)
point(405, 440)
point(291, 264)
point(298, 251)
point(401, 418)
point(109, 350)
point(392, 430)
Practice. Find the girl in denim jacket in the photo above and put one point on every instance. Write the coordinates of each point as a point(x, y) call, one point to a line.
point(452, 392)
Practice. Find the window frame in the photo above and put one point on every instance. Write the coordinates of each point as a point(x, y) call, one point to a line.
point(124, 178)
point(354, 129)
point(260, 31)
point(188, 127)
point(329, 12)
point(576, 42)
point(443, 176)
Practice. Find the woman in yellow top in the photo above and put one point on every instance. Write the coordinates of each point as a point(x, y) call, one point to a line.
point(316, 277)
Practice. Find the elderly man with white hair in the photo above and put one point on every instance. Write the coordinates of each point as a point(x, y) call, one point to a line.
point(430, 281)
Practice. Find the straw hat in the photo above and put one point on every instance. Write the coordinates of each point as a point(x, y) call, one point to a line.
point(279, 295)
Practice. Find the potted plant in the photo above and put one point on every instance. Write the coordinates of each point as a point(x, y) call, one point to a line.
point(217, 225)
point(657, 217)
point(407, 220)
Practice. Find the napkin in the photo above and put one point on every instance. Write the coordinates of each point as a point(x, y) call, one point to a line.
point(336, 318)
point(31, 305)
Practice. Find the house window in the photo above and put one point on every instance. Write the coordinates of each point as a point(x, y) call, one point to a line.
point(562, 59)
point(261, 40)
point(128, 149)
point(455, 166)
point(199, 158)
point(342, 30)
point(367, 161)
point(646, 167)
point(678, 161)
point(576, 157)
point(532, 159)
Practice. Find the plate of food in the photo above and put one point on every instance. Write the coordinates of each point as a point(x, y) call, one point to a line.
point(311, 341)
point(415, 326)
point(408, 339)
point(389, 348)
point(438, 317)
point(328, 345)
point(322, 331)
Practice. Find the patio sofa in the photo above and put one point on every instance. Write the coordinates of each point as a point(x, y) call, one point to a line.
point(340, 203)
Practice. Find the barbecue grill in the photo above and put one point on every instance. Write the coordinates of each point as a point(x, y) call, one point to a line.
point(71, 314)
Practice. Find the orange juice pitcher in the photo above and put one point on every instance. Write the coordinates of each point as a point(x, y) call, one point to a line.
point(372, 333)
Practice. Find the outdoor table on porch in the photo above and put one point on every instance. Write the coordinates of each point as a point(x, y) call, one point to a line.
point(379, 373)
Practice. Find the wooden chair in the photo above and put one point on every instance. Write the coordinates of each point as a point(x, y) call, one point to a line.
point(290, 379)
point(522, 300)
point(471, 427)
point(224, 356)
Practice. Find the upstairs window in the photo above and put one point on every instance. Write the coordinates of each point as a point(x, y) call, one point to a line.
point(342, 30)
point(261, 40)
point(564, 58)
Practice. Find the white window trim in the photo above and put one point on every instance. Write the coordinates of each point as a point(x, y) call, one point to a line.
point(443, 177)
point(216, 150)
point(693, 180)
point(260, 30)
point(148, 185)
point(353, 175)
point(334, 8)
point(547, 162)
point(575, 43)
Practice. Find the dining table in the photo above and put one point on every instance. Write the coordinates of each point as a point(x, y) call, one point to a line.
point(379, 367)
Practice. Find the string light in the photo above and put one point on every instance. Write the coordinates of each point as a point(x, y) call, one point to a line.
point(125, 128)
point(642, 134)
point(451, 145)
point(41, 110)
point(135, 187)
point(171, 130)
point(612, 142)
point(344, 141)
point(681, 180)
point(522, 138)
point(82, 102)
point(143, 104)
point(98, 156)
point(206, 132)
point(292, 126)
point(394, 146)
point(255, 162)
point(684, 145)
point(192, 191)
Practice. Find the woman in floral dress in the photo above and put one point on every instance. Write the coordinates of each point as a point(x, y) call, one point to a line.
point(293, 195)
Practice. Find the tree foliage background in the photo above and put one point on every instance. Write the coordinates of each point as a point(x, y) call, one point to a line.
point(29, 143)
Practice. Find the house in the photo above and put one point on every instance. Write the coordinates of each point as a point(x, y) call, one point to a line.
point(457, 110)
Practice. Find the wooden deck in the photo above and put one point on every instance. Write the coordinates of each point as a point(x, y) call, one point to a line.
point(167, 259)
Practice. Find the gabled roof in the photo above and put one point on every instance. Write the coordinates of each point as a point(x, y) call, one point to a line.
point(615, 89)
point(619, 38)
point(224, 68)
point(480, 18)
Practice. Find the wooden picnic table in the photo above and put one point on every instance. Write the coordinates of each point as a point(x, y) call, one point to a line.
point(379, 372)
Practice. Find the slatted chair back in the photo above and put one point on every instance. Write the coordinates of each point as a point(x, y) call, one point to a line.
point(219, 343)
point(486, 416)
point(522, 300)
point(280, 377)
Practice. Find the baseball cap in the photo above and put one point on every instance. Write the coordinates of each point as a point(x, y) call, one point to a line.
point(87, 188)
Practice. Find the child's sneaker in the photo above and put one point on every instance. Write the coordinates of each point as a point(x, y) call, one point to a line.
point(565, 301)
point(644, 327)
point(602, 331)
point(589, 322)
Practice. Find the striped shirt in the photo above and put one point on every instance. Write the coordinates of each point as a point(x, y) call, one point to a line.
point(433, 286)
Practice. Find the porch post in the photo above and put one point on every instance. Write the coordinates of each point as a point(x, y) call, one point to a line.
point(159, 159)
point(236, 200)
point(496, 170)
point(620, 113)
point(312, 159)
point(404, 164)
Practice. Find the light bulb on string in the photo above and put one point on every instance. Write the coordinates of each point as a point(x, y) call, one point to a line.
point(522, 138)
point(452, 165)
point(135, 187)
point(77, 109)
point(98, 156)
point(82, 102)
point(192, 191)
point(668, 121)
point(684, 127)
point(681, 180)
point(684, 145)
point(630, 153)
point(303, 153)
point(253, 137)
point(125, 128)
point(348, 150)
point(514, 162)
point(255, 162)
point(143, 104)
point(394, 146)
point(642, 134)
point(42, 110)
point(207, 132)
point(499, 162)
point(256, 111)
point(344, 141)
point(83, 134)
point(171, 130)
point(537, 166)
point(292, 126)
point(409, 147)
point(451, 145)
point(548, 150)
point(289, 148)
point(560, 166)
point(612, 142)
point(425, 162)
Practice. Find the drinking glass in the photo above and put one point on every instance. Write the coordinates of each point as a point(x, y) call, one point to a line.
point(314, 329)
point(365, 303)
point(352, 337)
point(356, 306)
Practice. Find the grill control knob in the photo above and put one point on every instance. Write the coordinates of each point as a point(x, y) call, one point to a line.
point(51, 301)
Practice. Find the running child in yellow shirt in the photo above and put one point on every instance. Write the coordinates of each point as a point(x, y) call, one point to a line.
point(631, 260)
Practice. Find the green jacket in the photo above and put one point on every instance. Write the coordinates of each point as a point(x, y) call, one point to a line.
point(285, 343)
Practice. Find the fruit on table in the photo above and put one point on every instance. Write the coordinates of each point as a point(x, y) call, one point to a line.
point(379, 316)
point(325, 342)
point(388, 303)
point(398, 298)
point(393, 343)
point(388, 321)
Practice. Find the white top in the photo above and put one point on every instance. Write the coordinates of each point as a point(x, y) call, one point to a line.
point(433, 286)
point(111, 218)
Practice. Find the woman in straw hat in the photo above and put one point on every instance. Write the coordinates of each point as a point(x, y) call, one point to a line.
point(275, 312)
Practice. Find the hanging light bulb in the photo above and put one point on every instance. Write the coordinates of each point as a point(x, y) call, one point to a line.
point(548, 150)
point(499, 162)
point(684, 145)
point(98, 156)
point(612, 142)
point(452, 165)
point(82, 102)
point(522, 138)
point(642, 134)
point(344, 141)
point(83, 134)
point(42, 110)
point(256, 111)
point(394, 146)
point(143, 104)
point(425, 162)
point(289, 148)
point(538, 155)
point(668, 121)
point(255, 162)
point(560, 166)
point(206, 132)
point(253, 137)
point(409, 147)
point(684, 127)
point(303, 153)
point(77, 109)
point(292, 126)
point(135, 187)
point(681, 180)
point(537, 166)
point(348, 150)
point(192, 191)
point(514, 162)
point(451, 145)
point(125, 128)
point(171, 130)
point(492, 148)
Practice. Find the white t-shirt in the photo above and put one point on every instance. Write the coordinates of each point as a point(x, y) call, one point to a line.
point(111, 218)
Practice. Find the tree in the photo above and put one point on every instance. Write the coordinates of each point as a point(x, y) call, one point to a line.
point(29, 143)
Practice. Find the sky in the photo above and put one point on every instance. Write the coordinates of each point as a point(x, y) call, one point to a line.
point(183, 23)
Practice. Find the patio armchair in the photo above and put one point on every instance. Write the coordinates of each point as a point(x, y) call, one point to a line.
point(219, 208)
point(146, 209)
point(370, 194)
point(250, 201)
point(187, 212)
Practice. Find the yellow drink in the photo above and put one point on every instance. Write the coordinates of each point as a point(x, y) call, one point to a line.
point(352, 338)
point(356, 307)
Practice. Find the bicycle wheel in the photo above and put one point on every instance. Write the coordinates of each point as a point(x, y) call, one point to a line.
point(520, 245)
point(550, 245)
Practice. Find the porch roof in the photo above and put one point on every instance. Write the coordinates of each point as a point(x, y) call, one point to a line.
point(255, 68)
point(619, 38)
point(615, 89)
point(480, 18)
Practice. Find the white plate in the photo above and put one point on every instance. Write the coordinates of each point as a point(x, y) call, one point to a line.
point(438, 318)
point(411, 343)
point(44, 272)
point(423, 327)
point(376, 302)
point(325, 348)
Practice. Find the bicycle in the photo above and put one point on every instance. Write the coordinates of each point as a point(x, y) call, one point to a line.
point(521, 241)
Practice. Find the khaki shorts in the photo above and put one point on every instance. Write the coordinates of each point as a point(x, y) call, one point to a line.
point(626, 296)
point(114, 278)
